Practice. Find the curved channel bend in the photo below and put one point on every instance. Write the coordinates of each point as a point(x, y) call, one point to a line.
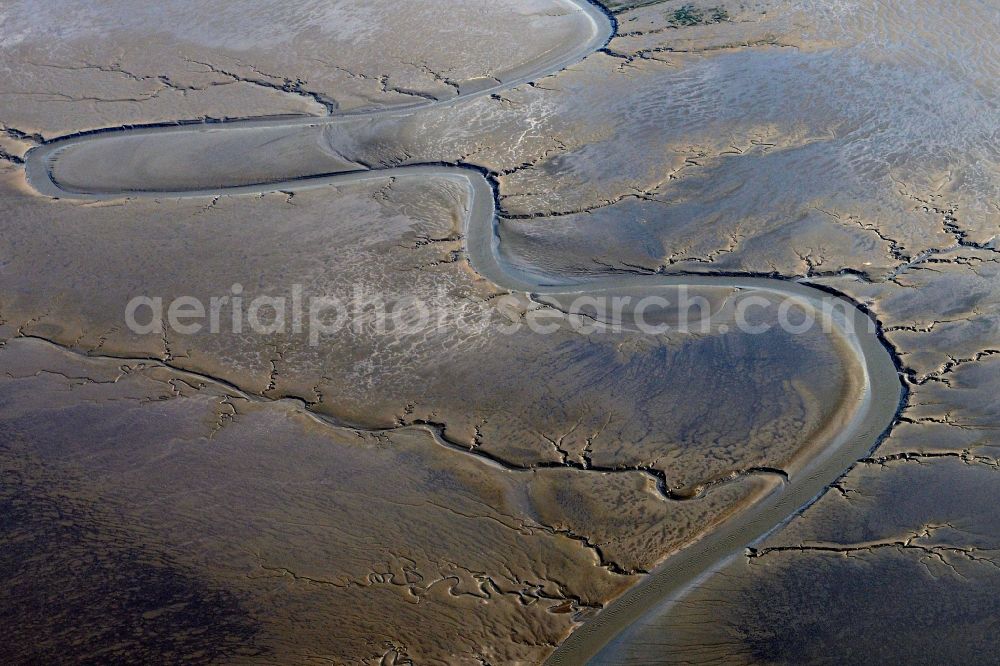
point(877, 407)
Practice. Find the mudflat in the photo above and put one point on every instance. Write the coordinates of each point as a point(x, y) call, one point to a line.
point(523, 463)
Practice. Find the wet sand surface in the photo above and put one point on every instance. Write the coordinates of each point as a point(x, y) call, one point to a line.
point(522, 505)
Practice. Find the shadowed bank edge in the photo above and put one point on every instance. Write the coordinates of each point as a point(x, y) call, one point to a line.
point(883, 390)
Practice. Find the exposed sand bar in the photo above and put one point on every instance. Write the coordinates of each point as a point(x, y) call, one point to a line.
point(256, 156)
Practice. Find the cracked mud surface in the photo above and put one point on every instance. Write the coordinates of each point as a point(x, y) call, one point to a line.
point(897, 561)
point(115, 63)
point(239, 479)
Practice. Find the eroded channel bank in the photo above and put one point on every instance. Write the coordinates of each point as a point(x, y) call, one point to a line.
point(877, 406)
